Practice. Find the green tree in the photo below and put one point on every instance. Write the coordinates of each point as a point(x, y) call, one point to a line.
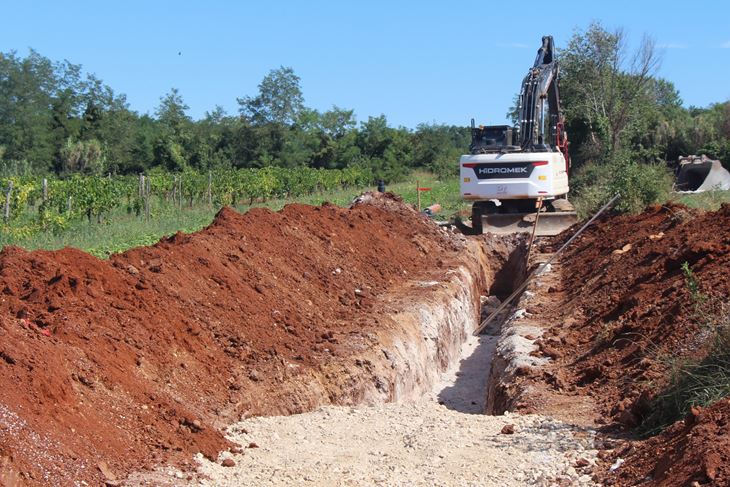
point(438, 147)
point(279, 99)
point(601, 84)
point(174, 141)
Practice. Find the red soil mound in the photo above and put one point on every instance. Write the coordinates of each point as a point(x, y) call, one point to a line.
point(694, 450)
point(110, 366)
point(626, 304)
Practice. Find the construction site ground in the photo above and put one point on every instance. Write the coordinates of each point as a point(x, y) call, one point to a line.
point(327, 346)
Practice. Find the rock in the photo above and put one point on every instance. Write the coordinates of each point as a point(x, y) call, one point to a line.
point(508, 429)
point(550, 351)
point(132, 270)
point(228, 462)
point(582, 462)
point(109, 476)
point(710, 464)
point(252, 445)
point(254, 375)
point(604, 454)
point(627, 418)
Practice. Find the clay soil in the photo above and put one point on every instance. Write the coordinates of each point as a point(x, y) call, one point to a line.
point(695, 451)
point(620, 310)
point(112, 366)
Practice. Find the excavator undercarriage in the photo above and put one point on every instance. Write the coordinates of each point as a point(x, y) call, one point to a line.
point(513, 216)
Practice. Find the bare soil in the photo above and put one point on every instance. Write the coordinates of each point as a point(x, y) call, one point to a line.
point(696, 449)
point(620, 308)
point(111, 366)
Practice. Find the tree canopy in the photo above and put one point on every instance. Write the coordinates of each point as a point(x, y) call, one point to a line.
point(55, 118)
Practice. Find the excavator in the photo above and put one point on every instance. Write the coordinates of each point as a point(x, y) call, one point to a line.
point(517, 177)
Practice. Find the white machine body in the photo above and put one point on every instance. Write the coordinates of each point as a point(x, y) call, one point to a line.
point(513, 175)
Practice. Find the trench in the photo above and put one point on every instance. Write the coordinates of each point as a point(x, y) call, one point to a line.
point(467, 386)
point(436, 354)
point(393, 420)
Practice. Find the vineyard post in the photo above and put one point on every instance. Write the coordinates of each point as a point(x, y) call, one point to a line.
point(6, 214)
point(45, 189)
point(68, 204)
point(210, 188)
point(141, 186)
point(174, 189)
point(147, 201)
point(180, 193)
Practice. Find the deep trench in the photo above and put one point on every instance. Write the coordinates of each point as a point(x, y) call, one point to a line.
point(471, 386)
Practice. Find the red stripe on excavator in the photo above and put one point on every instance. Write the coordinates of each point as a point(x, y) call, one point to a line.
point(471, 165)
point(540, 163)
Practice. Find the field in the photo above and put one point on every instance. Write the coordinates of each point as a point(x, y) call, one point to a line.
point(121, 229)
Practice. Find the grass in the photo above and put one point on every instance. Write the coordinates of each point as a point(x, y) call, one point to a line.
point(709, 200)
point(123, 231)
point(695, 382)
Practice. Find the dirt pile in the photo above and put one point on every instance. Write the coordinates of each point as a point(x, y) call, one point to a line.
point(625, 305)
point(110, 366)
point(630, 297)
point(696, 450)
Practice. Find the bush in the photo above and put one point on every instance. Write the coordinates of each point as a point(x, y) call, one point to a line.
point(639, 184)
point(693, 382)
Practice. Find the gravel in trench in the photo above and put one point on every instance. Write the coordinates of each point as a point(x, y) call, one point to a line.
point(437, 441)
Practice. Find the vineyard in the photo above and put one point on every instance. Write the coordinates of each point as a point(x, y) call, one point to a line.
point(36, 204)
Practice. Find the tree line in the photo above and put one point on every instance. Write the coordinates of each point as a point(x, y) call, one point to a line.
point(616, 105)
point(54, 118)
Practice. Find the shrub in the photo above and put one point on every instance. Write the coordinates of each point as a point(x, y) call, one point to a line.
point(638, 183)
point(696, 382)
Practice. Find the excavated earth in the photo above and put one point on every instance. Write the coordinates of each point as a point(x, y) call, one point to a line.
point(599, 329)
point(110, 367)
point(120, 366)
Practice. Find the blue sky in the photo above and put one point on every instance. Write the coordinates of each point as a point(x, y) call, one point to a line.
point(415, 62)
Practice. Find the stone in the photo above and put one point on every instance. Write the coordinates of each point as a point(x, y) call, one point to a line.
point(228, 462)
point(508, 429)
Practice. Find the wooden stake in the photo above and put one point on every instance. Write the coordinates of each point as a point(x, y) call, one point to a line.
point(45, 189)
point(147, 201)
point(174, 189)
point(210, 188)
point(418, 192)
point(6, 214)
point(538, 207)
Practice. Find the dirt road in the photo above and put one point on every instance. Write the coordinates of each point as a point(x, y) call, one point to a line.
point(436, 441)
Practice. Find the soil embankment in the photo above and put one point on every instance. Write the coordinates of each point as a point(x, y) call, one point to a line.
point(112, 366)
point(602, 327)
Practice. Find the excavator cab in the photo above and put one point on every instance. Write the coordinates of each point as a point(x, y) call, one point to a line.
point(495, 138)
